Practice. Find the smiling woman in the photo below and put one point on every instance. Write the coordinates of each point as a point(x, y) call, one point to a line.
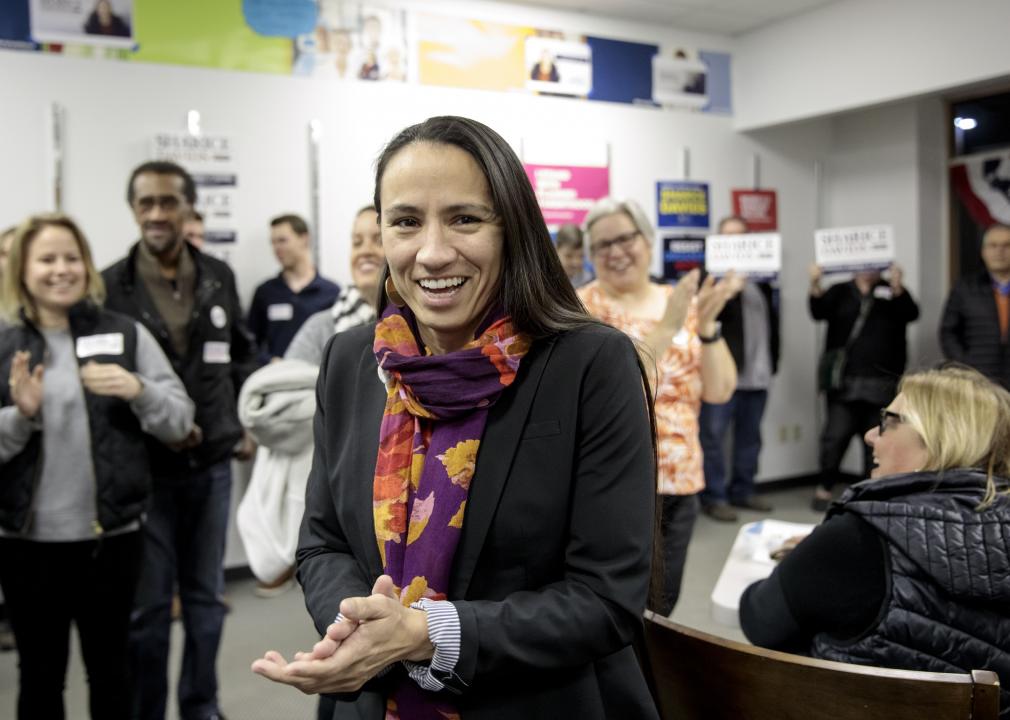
point(481, 517)
point(85, 387)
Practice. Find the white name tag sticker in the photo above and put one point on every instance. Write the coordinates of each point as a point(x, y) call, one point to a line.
point(882, 292)
point(105, 344)
point(280, 312)
point(216, 353)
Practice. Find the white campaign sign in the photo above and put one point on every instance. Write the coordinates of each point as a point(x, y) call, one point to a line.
point(870, 247)
point(752, 255)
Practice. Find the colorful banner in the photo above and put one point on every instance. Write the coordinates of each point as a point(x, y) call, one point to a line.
point(983, 186)
point(359, 41)
point(681, 254)
point(758, 208)
point(471, 54)
point(353, 41)
point(850, 249)
point(567, 192)
point(682, 204)
point(755, 255)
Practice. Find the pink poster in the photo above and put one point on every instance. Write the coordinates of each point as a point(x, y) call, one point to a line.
point(567, 192)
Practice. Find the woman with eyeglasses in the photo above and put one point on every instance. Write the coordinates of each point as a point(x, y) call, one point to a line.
point(680, 343)
point(911, 568)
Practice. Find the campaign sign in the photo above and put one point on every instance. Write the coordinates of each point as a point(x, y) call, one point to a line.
point(682, 204)
point(838, 250)
point(681, 254)
point(758, 208)
point(755, 255)
point(567, 192)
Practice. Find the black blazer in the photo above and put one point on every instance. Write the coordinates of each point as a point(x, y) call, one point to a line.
point(552, 570)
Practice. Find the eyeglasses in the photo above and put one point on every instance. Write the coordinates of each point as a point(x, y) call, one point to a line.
point(889, 419)
point(621, 241)
point(165, 202)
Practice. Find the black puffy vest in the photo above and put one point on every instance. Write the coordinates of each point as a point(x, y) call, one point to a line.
point(122, 473)
point(948, 605)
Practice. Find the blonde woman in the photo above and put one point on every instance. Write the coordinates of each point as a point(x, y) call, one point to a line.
point(911, 568)
point(681, 343)
point(84, 387)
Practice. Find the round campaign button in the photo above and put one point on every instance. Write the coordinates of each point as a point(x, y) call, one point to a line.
point(218, 316)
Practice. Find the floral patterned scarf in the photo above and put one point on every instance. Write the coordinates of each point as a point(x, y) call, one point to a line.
point(436, 409)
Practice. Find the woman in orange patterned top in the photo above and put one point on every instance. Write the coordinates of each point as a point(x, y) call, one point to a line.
point(680, 342)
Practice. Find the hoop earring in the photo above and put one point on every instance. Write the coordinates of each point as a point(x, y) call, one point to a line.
point(393, 294)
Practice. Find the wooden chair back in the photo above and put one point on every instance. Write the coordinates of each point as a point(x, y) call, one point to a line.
point(694, 675)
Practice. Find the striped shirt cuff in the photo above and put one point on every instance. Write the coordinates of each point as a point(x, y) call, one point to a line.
point(444, 633)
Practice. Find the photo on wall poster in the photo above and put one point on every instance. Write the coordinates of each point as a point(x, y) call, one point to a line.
point(107, 23)
point(354, 41)
point(558, 66)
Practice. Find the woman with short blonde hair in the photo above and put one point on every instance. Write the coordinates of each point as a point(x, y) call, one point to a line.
point(911, 568)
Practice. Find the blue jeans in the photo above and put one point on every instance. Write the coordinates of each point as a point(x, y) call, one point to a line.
point(184, 546)
point(744, 411)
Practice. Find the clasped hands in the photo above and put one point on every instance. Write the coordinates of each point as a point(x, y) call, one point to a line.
point(99, 378)
point(376, 631)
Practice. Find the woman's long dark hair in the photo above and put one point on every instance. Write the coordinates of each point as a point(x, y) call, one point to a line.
point(534, 290)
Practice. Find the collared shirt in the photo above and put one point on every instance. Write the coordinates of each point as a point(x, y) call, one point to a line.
point(277, 312)
point(174, 299)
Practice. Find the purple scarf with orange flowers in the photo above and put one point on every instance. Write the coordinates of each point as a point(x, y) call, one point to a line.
point(436, 409)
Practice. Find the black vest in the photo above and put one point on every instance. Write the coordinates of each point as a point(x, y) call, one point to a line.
point(948, 605)
point(118, 454)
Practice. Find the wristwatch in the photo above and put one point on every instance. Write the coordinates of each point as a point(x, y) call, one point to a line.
point(715, 336)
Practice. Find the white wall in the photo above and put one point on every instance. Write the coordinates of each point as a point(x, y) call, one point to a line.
point(856, 53)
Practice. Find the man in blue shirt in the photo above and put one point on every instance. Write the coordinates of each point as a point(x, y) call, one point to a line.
point(281, 304)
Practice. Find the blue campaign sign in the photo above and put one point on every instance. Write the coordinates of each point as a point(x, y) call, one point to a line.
point(681, 254)
point(682, 204)
point(281, 18)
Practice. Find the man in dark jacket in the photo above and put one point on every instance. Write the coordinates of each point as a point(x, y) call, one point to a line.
point(750, 324)
point(975, 320)
point(189, 303)
point(867, 318)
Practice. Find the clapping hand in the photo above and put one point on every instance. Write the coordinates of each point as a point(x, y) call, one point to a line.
point(895, 276)
point(110, 380)
point(712, 298)
point(25, 385)
point(678, 303)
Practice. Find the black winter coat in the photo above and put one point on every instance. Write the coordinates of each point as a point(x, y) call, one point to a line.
point(216, 331)
point(969, 329)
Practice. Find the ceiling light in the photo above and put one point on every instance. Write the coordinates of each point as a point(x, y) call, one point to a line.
point(965, 123)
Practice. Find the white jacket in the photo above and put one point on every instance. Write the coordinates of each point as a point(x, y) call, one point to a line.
point(276, 405)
